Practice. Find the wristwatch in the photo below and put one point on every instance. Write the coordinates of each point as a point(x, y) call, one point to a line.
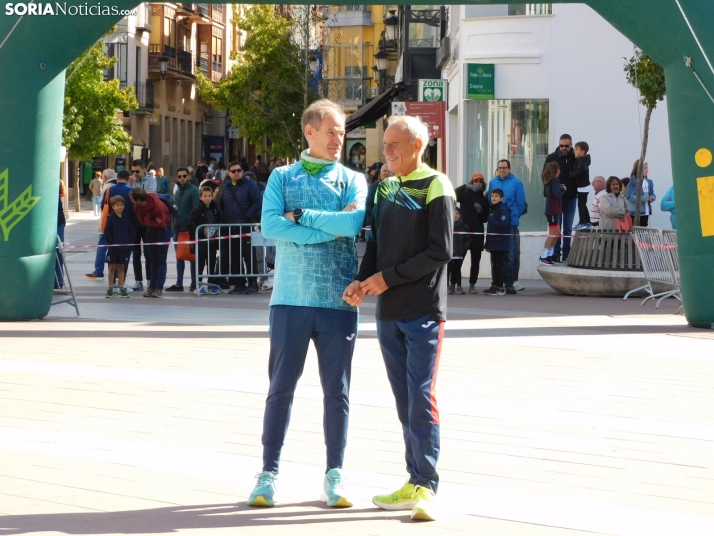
point(296, 214)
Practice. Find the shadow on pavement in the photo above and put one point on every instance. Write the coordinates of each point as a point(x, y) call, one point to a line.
point(201, 516)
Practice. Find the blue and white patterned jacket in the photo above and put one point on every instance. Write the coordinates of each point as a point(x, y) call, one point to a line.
point(317, 258)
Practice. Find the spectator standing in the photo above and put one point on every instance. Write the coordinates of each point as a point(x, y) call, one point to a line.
point(553, 192)
point(118, 231)
point(147, 183)
point(613, 205)
point(667, 205)
point(460, 248)
point(497, 241)
point(514, 197)
point(187, 199)
point(565, 157)
point(405, 266)
point(581, 176)
point(162, 182)
point(239, 203)
point(206, 213)
point(317, 258)
point(598, 185)
point(109, 179)
point(474, 211)
point(648, 194)
point(96, 187)
point(152, 213)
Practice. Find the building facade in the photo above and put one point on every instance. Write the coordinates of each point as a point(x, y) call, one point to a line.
point(557, 69)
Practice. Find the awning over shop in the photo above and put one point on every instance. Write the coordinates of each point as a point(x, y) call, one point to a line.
point(369, 113)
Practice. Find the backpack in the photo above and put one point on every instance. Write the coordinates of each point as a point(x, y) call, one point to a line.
point(170, 204)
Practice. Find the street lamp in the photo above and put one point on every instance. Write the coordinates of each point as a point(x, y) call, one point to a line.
point(313, 63)
point(391, 24)
point(382, 59)
point(163, 65)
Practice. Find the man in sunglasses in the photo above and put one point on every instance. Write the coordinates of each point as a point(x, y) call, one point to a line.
point(146, 182)
point(187, 199)
point(565, 157)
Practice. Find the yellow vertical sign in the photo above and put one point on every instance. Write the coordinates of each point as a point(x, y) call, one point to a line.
point(705, 187)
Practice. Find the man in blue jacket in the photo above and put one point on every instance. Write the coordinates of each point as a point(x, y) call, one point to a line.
point(514, 196)
point(239, 202)
point(313, 209)
point(186, 200)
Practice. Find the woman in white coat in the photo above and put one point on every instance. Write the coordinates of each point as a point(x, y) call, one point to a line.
point(613, 206)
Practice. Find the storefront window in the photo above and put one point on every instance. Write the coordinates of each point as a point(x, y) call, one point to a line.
point(516, 130)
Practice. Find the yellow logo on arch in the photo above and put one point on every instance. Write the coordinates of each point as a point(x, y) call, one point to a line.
point(12, 213)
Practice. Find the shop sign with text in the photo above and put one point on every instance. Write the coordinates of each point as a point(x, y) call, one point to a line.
point(480, 81)
point(432, 90)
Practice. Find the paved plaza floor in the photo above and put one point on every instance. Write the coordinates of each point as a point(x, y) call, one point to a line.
point(559, 416)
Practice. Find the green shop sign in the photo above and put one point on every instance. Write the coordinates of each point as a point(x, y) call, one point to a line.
point(480, 81)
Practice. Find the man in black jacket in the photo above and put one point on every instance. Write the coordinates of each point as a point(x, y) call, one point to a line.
point(405, 266)
point(565, 157)
point(474, 211)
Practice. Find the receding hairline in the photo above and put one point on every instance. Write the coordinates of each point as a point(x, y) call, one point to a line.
point(315, 113)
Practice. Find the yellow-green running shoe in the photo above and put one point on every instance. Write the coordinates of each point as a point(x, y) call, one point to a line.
point(334, 491)
point(402, 499)
point(424, 508)
point(264, 490)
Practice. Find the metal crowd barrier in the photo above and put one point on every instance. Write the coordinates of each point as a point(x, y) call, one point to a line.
point(71, 298)
point(660, 262)
point(246, 255)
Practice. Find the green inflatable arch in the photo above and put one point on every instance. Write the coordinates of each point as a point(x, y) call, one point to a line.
point(35, 50)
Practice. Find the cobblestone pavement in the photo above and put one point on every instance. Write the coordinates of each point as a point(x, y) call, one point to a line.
point(560, 416)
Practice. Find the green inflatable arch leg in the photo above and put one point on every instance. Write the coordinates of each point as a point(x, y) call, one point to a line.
point(35, 50)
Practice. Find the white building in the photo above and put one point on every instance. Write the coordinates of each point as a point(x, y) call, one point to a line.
point(558, 69)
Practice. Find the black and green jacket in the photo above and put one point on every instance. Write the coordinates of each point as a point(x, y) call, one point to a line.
point(411, 243)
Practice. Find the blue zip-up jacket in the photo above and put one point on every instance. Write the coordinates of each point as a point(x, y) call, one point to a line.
point(514, 196)
point(631, 196)
point(240, 203)
point(187, 199)
point(316, 258)
point(667, 205)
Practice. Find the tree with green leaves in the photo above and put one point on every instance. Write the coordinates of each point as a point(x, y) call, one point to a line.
point(265, 90)
point(89, 125)
point(648, 77)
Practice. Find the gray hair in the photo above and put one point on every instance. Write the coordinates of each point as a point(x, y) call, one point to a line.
point(315, 113)
point(414, 125)
point(599, 178)
point(109, 174)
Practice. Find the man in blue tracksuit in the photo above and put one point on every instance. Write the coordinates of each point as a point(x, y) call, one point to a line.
point(313, 209)
point(405, 266)
point(514, 197)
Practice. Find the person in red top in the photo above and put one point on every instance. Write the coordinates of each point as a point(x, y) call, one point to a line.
point(153, 213)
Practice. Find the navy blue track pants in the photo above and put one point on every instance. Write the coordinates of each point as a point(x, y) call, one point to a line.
point(334, 333)
point(411, 351)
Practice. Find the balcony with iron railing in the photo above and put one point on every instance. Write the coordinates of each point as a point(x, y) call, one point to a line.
point(355, 14)
point(202, 9)
point(346, 91)
point(216, 71)
point(145, 96)
point(185, 61)
point(203, 65)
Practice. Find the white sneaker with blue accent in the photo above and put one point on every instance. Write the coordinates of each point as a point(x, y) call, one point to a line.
point(334, 490)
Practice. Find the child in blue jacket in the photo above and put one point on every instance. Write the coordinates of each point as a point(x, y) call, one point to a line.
point(498, 241)
point(119, 232)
